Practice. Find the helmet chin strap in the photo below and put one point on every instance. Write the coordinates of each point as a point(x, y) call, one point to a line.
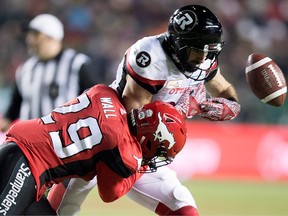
point(188, 72)
point(132, 122)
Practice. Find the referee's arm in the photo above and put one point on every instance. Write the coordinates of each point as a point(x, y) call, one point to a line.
point(87, 76)
point(13, 110)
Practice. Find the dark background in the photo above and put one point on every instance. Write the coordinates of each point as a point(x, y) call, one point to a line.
point(105, 29)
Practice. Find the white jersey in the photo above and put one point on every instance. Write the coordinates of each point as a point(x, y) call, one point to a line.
point(149, 65)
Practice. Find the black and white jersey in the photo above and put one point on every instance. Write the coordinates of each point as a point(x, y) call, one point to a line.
point(148, 64)
point(43, 85)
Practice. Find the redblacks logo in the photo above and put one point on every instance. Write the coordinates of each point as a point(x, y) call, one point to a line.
point(177, 90)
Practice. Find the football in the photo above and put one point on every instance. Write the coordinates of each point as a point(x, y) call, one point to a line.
point(266, 80)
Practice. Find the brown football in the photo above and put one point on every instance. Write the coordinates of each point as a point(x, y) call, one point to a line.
point(266, 80)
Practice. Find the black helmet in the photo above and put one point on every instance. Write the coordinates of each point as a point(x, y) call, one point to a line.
point(194, 27)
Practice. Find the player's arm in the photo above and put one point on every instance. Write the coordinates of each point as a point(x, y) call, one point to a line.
point(13, 110)
point(134, 95)
point(111, 186)
point(220, 87)
point(87, 76)
point(223, 104)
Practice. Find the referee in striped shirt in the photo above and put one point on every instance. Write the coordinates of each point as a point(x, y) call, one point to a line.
point(51, 76)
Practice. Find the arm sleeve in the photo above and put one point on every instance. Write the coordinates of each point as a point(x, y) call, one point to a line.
point(13, 109)
point(88, 76)
point(114, 161)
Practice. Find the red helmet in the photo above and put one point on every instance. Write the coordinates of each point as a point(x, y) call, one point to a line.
point(161, 131)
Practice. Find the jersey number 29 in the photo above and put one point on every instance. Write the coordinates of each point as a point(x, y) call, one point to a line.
point(78, 144)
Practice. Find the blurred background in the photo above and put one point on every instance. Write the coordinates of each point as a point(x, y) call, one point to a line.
point(253, 147)
point(105, 29)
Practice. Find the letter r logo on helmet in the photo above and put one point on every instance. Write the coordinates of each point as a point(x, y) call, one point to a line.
point(184, 21)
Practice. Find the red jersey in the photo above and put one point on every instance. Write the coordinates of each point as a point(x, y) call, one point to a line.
point(83, 138)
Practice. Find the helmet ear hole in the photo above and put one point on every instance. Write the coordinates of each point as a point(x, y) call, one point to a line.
point(161, 151)
point(149, 145)
point(167, 119)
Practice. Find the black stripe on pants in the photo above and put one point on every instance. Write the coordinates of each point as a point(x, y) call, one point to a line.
point(17, 184)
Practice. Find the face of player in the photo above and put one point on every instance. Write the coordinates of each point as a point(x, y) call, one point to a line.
point(196, 57)
point(41, 45)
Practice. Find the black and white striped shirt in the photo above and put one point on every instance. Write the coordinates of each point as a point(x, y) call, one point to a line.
point(42, 86)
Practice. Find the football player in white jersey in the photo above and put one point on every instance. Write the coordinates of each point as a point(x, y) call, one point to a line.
point(178, 67)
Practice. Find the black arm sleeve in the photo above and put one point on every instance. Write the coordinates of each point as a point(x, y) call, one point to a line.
point(114, 161)
point(88, 76)
point(13, 110)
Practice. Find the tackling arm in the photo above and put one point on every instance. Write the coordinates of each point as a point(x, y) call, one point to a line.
point(134, 96)
point(111, 186)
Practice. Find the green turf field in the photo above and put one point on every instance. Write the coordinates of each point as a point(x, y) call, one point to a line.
point(214, 198)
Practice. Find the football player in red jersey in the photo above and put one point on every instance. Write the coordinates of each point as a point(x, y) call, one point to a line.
point(177, 66)
point(89, 136)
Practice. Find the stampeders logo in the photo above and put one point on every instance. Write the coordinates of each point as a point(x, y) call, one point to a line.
point(15, 188)
point(162, 133)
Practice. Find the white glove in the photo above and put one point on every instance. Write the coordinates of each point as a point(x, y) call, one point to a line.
point(219, 109)
point(189, 102)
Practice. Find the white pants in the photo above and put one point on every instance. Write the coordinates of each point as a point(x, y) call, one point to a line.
point(162, 186)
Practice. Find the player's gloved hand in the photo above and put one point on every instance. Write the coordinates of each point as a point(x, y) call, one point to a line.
point(219, 109)
point(189, 103)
